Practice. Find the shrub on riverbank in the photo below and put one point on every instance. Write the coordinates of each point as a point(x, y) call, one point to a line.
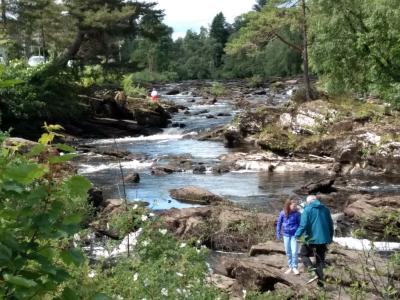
point(43, 207)
point(34, 99)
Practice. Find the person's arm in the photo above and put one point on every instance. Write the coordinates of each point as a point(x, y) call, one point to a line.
point(303, 224)
point(279, 226)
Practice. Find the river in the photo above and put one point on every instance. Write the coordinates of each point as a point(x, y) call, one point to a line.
point(259, 190)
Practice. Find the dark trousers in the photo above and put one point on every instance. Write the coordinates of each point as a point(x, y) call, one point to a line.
point(319, 251)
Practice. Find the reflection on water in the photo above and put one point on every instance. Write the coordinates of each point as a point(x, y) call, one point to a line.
point(262, 191)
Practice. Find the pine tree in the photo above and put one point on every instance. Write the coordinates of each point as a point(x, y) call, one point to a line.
point(220, 33)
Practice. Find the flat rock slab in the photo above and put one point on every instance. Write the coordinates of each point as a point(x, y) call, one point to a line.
point(195, 195)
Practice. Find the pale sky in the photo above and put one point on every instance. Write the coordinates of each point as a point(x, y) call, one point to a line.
point(182, 15)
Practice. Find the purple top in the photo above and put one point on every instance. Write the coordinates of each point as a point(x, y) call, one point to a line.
point(289, 225)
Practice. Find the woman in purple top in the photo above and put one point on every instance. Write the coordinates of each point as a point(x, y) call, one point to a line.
point(287, 224)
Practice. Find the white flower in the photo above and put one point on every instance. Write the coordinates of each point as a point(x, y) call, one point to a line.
point(182, 245)
point(244, 294)
point(146, 282)
point(163, 231)
point(198, 250)
point(151, 214)
point(144, 218)
point(179, 274)
point(135, 276)
point(179, 291)
point(119, 297)
point(198, 242)
point(164, 292)
point(145, 243)
point(135, 207)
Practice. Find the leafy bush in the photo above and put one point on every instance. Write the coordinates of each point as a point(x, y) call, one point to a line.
point(147, 77)
point(36, 98)
point(41, 209)
point(218, 89)
point(96, 75)
point(131, 89)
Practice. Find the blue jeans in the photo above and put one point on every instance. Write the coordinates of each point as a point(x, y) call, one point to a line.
point(291, 250)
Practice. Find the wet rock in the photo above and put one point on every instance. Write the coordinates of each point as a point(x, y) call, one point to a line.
point(132, 178)
point(178, 125)
point(195, 195)
point(210, 117)
point(233, 136)
point(192, 100)
point(95, 197)
point(200, 169)
point(172, 92)
point(324, 186)
point(223, 114)
point(214, 135)
point(157, 117)
point(259, 92)
point(162, 170)
point(201, 112)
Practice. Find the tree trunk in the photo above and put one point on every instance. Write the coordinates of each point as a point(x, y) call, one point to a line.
point(305, 53)
point(3, 13)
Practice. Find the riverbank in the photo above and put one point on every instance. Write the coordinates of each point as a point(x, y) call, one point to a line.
point(238, 154)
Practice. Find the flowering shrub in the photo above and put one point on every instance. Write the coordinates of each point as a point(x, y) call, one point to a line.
point(160, 267)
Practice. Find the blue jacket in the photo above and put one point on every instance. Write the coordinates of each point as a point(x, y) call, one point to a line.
point(316, 223)
point(287, 225)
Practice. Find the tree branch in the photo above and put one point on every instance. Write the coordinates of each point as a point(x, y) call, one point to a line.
point(291, 45)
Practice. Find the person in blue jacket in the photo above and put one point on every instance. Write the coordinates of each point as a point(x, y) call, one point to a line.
point(317, 226)
point(287, 224)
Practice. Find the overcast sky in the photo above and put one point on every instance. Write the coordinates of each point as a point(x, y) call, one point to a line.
point(182, 15)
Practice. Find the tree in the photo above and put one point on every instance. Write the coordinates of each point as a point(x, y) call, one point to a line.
point(356, 46)
point(219, 32)
point(267, 25)
point(260, 4)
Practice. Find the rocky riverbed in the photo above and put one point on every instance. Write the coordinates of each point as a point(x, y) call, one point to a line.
point(222, 165)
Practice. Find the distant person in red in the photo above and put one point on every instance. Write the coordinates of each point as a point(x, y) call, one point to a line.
point(154, 95)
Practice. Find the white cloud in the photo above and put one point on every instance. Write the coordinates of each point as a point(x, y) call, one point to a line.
point(192, 14)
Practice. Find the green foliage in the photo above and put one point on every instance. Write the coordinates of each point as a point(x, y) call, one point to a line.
point(97, 75)
point(25, 97)
point(147, 77)
point(131, 89)
point(40, 212)
point(218, 89)
point(255, 81)
point(355, 46)
point(161, 267)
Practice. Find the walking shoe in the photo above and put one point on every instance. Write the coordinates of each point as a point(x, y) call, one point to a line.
point(296, 271)
point(288, 271)
point(312, 280)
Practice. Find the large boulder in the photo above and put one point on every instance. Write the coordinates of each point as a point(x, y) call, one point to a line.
point(312, 115)
point(23, 145)
point(388, 158)
point(195, 195)
point(368, 207)
point(233, 136)
point(223, 227)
